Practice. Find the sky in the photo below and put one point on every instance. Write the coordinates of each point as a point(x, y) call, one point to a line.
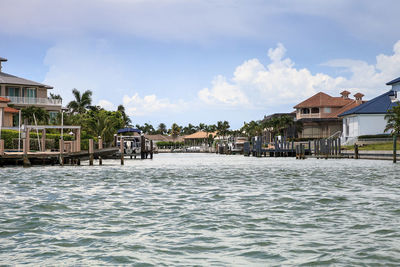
point(202, 61)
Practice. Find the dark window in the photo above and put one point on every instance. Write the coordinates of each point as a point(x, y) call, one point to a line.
point(315, 110)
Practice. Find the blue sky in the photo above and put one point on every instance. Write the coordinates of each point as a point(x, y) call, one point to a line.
point(202, 61)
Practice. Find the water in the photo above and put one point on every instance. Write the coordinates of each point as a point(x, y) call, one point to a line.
point(202, 209)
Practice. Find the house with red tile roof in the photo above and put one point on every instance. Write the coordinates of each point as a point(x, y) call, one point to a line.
point(319, 113)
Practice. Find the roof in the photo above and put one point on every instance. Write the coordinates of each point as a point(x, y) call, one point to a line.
point(323, 100)
point(379, 105)
point(393, 81)
point(199, 135)
point(11, 79)
point(10, 110)
point(349, 106)
point(159, 137)
point(4, 99)
point(128, 130)
point(3, 59)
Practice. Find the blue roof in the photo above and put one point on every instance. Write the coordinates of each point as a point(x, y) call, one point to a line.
point(394, 81)
point(379, 105)
point(129, 130)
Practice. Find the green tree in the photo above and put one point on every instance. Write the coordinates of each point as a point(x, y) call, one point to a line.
point(29, 113)
point(81, 102)
point(162, 129)
point(175, 130)
point(393, 120)
point(223, 128)
point(127, 120)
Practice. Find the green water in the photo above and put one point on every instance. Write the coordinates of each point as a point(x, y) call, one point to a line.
point(202, 209)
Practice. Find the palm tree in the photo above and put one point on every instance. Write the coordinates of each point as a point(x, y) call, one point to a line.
point(223, 128)
point(175, 130)
point(81, 102)
point(127, 120)
point(393, 120)
point(30, 113)
point(162, 128)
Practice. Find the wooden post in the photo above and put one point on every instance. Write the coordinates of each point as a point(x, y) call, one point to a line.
point(151, 149)
point(100, 147)
point(43, 140)
point(142, 147)
point(121, 149)
point(1, 152)
point(91, 151)
point(61, 144)
point(355, 151)
point(78, 140)
point(1, 147)
point(394, 148)
point(25, 159)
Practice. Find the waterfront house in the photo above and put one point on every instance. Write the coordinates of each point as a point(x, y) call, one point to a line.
point(18, 93)
point(369, 118)
point(319, 113)
point(198, 138)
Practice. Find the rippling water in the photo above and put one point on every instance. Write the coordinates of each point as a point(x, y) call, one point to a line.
point(202, 209)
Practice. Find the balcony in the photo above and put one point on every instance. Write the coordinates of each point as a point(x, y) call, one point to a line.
point(34, 101)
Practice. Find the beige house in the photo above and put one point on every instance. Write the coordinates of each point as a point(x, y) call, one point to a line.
point(319, 113)
point(17, 93)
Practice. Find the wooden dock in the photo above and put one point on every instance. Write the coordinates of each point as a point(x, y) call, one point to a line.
point(53, 158)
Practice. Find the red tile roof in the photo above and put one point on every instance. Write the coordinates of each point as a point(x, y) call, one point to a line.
point(323, 100)
point(4, 99)
point(10, 110)
point(199, 135)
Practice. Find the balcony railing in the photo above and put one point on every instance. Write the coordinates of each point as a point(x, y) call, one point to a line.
point(34, 101)
point(308, 116)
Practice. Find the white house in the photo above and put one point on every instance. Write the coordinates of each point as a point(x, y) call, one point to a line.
point(369, 118)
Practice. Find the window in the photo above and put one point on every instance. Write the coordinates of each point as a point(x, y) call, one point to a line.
point(15, 120)
point(305, 111)
point(30, 92)
point(13, 91)
point(315, 110)
point(327, 110)
point(53, 116)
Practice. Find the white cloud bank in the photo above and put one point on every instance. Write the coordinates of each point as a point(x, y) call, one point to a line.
point(149, 104)
point(280, 82)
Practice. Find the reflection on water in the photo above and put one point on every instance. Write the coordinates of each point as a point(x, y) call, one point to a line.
point(204, 209)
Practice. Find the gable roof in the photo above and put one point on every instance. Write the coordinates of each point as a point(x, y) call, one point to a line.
point(393, 81)
point(323, 100)
point(11, 79)
point(379, 105)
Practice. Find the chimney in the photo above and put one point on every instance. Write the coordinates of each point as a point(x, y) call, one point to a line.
point(2, 60)
point(358, 97)
point(345, 94)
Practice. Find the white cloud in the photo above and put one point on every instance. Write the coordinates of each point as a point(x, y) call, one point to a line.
point(222, 93)
point(138, 106)
point(107, 105)
point(280, 82)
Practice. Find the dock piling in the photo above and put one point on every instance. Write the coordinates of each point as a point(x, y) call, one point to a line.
point(91, 151)
point(394, 148)
point(121, 149)
point(100, 147)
